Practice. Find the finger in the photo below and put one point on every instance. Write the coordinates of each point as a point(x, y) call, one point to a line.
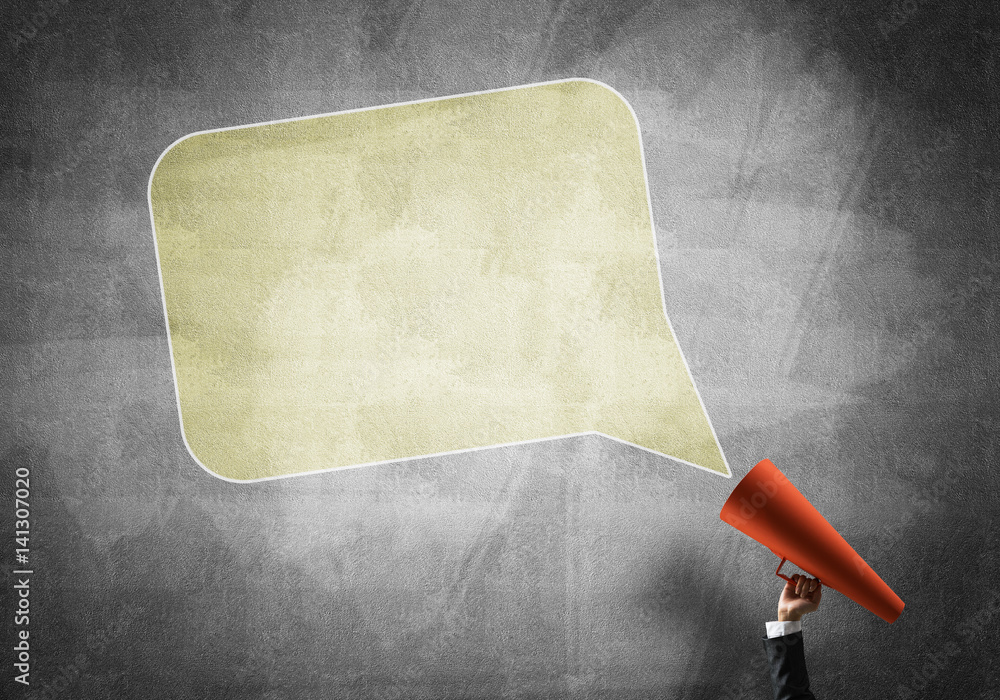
point(800, 585)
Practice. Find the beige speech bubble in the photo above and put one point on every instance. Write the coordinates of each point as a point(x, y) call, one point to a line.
point(419, 279)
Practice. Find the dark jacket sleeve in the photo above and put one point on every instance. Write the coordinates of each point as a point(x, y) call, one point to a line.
point(788, 667)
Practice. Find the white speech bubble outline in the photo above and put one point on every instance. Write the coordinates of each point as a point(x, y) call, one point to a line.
point(659, 275)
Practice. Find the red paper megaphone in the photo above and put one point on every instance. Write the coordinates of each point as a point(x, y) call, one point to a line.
point(765, 506)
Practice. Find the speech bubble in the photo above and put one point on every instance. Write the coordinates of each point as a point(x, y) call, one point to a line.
point(419, 279)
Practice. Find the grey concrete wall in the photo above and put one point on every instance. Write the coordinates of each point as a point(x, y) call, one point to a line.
point(824, 183)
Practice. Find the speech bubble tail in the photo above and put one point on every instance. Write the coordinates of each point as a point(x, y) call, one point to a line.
point(699, 453)
point(677, 428)
point(655, 405)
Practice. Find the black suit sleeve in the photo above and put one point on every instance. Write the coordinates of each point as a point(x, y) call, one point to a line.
point(788, 667)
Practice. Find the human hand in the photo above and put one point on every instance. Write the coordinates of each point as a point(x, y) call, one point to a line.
point(799, 598)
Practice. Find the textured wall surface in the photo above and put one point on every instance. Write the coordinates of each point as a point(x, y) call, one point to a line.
point(824, 182)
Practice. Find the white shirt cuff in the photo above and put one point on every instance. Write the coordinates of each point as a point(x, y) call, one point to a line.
point(780, 629)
